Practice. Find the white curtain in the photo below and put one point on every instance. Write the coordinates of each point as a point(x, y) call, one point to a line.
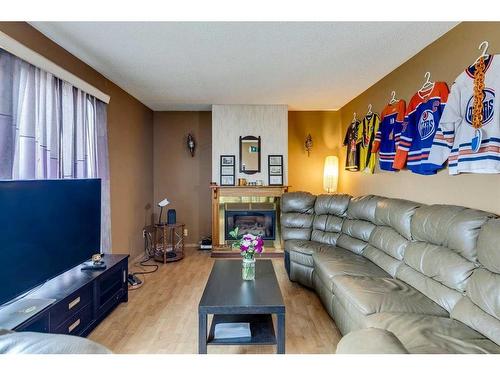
point(50, 129)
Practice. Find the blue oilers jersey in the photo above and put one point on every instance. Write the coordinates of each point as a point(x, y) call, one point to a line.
point(420, 125)
point(389, 131)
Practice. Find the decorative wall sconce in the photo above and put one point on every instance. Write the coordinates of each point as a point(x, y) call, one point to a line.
point(308, 144)
point(191, 144)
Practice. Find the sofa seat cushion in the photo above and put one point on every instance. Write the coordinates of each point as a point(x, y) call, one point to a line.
point(307, 247)
point(372, 295)
point(339, 261)
point(370, 341)
point(432, 334)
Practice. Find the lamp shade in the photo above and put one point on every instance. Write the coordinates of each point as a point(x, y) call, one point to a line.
point(331, 174)
point(163, 203)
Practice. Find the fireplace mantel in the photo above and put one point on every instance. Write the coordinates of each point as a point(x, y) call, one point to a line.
point(245, 192)
point(248, 191)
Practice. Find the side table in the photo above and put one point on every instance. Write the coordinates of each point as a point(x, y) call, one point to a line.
point(168, 239)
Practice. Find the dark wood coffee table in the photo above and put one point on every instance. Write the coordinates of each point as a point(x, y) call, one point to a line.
point(231, 299)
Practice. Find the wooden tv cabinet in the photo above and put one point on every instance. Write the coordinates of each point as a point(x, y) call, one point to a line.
point(82, 298)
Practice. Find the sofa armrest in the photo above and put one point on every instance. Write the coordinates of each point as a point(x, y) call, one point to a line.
point(370, 341)
point(45, 343)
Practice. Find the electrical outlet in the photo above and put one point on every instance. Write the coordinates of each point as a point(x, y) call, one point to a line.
point(185, 232)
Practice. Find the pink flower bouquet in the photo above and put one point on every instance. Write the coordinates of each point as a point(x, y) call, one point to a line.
point(248, 244)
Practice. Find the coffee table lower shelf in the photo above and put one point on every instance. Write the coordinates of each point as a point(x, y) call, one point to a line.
point(261, 328)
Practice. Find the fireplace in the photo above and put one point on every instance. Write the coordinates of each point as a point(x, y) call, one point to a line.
point(246, 204)
point(257, 222)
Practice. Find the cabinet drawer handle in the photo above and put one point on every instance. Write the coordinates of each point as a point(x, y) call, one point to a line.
point(73, 326)
point(73, 303)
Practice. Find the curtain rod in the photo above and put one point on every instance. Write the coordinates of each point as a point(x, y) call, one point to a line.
point(20, 50)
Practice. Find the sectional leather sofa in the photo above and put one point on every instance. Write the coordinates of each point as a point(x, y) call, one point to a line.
point(398, 276)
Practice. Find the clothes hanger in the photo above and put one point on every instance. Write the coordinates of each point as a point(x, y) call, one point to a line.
point(393, 97)
point(483, 53)
point(427, 84)
point(369, 110)
point(354, 119)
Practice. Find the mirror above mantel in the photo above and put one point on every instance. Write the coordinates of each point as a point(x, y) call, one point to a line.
point(250, 150)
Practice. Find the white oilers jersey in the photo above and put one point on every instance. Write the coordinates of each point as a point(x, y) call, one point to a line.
point(456, 137)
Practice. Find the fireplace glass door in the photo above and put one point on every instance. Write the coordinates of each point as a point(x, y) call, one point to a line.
point(257, 222)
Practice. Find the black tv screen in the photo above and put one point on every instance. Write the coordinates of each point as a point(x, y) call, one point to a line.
point(46, 228)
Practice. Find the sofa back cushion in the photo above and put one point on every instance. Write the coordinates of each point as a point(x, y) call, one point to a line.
point(363, 208)
point(443, 256)
point(388, 241)
point(297, 215)
point(358, 225)
point(480, 307)
point(453, 227)
point(397, 214)
point(330, 211)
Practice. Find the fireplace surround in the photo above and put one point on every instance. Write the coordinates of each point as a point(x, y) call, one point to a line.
point(240, 201)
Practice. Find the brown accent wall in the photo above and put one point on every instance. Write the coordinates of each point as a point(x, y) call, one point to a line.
point(130, 139)
point(306, 172)
point(183, 179)
point(445, 59)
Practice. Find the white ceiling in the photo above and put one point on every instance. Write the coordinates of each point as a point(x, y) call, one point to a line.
point(192, 65)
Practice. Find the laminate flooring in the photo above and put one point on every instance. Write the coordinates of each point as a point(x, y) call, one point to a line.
point(162, 315)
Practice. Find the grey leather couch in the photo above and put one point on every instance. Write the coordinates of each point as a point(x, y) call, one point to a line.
point(398, 276)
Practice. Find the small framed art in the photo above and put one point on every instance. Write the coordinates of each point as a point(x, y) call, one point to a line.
point(227, 160)
point(275, 180)
point(275, 159)
point(227, 180)
point(227, 170)
point(275, 170)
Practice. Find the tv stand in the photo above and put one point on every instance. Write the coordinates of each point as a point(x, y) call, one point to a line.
point(82, 299)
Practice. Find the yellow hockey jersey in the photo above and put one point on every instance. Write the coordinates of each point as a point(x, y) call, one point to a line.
point(367, 130)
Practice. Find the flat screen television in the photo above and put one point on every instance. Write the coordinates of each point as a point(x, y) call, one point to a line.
point(46, 228)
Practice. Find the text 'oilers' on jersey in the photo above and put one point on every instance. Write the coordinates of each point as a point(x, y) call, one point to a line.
point(350, 140)
point(420, 125)
point(454, 137)
point(367, 130)
point(389, 131)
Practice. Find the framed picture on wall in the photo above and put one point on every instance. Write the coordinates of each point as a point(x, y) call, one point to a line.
point(275, 160)
point(227, 180)
point(227, 160)
point(227, 170)
point(275, 180)
point(275, 170)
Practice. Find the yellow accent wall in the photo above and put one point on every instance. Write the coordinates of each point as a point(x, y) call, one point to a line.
point(305, 173)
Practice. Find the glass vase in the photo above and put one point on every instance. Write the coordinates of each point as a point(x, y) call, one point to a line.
point(248, 269)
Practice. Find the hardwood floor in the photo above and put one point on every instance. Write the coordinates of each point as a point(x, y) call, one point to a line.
point(162, 315)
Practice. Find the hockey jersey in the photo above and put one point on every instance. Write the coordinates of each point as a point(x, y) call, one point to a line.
point(419, 127)
point(455, 133)
point(389, 131)
point(367, 130)
point(350, 140)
